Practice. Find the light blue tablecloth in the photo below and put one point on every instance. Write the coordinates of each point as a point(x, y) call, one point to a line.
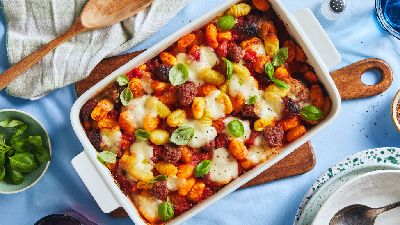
point(362, 124)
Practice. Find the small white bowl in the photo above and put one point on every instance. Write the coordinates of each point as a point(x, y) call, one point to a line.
point(374, 189)
point(395, 102)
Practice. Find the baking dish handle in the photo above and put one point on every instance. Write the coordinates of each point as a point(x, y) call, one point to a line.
point(318, 37)
point(93, 181)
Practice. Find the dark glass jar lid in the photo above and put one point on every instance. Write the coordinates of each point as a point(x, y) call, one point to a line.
point(58, 219)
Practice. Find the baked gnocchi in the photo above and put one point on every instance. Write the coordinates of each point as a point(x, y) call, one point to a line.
point(217, 103)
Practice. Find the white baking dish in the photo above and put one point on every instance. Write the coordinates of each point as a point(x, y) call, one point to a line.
point(303, 27)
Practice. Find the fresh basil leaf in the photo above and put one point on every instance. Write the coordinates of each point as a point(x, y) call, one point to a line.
point(42, 154)
point(2, 139)
point(126, 96)
point(178, 74)
point(202, 168)
point(21, 130)
point(310, 112)
point(23, 162)
point(280, 57)
point(16, 177)
point(236, 128)
point(280, 83)
point(269, 70)
point(122, 80)
point(2, 172)
point(252, 100)
point(229, 68)
point(182, 135)
point(35, 140)
point(19, 145)
point(226, 22)
point(142, 135)
point(107, 157)
point(8, 123)
point(158, 178)
point(166, 211)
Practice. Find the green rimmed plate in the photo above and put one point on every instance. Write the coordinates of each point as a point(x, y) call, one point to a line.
point(34, 128)
point(349, 168)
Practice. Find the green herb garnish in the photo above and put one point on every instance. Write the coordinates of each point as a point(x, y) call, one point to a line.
point(229, 68)
point(122, 80)
point(202, 168)
point(126, 96)
point(226, 22)
point(166, 211)
point(280, 57)
point(236, 128)
point(178, 74)
point(270, 71)
point(107, 157)
point(252, 100)
point(182, 135)
point(158, 178)
point(310, 112)
point(142, 135)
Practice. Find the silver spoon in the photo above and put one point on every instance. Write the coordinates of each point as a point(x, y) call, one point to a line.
point(359, 214)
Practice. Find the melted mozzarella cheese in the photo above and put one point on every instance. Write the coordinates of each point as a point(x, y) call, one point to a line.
point(246, 126)
point(215, 108)
point(110, 140)
point(224, 166)
point(208, 59)
point(246, 86)
point(203, 133)
point(137, 110)
point(146, 83)
point(259, 151)
point(148, 207)
point(139, 165)
point(173, 182)
point(269, 106)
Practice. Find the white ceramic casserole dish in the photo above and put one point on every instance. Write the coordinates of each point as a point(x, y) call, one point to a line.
point(302, 26)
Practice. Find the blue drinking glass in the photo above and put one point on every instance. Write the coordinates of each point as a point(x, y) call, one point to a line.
point(388, 14)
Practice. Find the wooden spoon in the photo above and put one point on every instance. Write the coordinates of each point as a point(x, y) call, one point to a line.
point(96, 14)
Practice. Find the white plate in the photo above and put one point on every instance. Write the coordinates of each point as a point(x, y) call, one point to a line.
point(374, 189)
point(349, 168)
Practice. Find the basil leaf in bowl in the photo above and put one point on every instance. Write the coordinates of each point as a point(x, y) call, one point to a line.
point(182, 135)
point(25, 151)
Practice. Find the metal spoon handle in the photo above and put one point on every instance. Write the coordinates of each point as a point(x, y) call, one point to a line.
point(388, 207)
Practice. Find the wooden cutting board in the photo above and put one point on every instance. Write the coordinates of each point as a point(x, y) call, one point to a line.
point(302, 160)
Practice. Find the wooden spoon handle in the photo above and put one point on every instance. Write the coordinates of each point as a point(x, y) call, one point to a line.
point(348, 79)
point(13, 72)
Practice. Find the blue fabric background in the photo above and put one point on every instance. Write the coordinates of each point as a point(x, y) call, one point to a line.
point(362, 124)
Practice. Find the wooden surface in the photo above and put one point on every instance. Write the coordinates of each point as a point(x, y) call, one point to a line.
point(302, 159)
point(348, 79)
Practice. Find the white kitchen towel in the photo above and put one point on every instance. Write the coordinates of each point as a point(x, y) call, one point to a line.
point(33, 23)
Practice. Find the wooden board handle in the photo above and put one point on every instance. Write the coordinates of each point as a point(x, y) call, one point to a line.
point(348, 79)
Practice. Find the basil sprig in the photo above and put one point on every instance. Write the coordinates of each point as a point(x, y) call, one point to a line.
point(310, 112)
point(182, 135)
point(252, 100)
point(142, 135)
point(126, 96)
point(202, 168)
point(107, 157)
point(270, 71)
point(19, 152)
point(122, 80)
point(226, 22)
point(158, 178)
point(178, 74)
point(229, 68)
point(236, 128)
point(166, 211)
point(280, 57)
